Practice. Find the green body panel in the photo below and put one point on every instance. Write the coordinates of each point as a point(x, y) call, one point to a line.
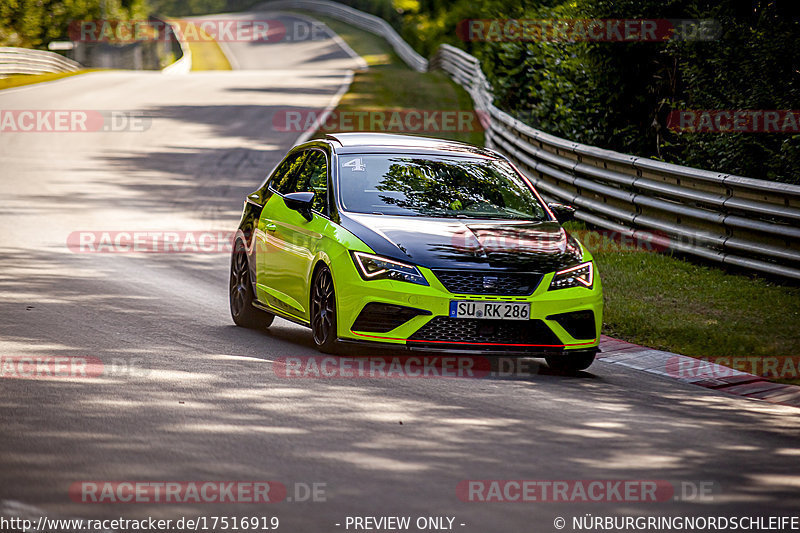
point(289, 248)
point(436, 299)
point(295, 246)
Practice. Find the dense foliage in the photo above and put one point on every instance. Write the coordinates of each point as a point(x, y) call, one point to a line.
point(34, 23)
point(617, 95)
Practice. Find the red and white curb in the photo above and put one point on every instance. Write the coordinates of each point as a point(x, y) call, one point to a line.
point(704, 374)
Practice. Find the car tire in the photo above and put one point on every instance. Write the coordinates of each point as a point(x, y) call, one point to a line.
point(571, 363)
point(240, 293)
point(323, 311)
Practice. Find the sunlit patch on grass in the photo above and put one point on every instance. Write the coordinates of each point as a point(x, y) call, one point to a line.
point(18, 80)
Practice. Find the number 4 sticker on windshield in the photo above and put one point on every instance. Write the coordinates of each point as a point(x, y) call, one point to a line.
point(356, 165)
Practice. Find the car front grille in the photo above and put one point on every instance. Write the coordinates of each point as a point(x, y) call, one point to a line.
point(490, 283)
point(447, 330)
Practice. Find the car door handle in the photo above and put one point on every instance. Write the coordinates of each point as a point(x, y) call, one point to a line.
point(270, 227)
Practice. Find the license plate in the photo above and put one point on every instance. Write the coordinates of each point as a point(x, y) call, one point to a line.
point(490, 310)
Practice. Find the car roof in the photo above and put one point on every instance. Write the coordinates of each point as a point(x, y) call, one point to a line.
point(365, 142)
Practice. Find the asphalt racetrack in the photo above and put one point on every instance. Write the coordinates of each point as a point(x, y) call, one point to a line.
point(204, 400)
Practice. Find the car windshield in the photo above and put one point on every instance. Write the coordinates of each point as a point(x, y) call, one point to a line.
point(452, 187)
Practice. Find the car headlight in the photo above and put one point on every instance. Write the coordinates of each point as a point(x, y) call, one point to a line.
point(373, 267)
point(578, 276)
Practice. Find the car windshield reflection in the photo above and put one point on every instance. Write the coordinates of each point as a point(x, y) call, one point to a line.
point(439, 187)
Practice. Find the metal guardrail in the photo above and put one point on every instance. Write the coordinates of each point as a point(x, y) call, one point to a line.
point(28, 61)
point(754, 224)
point(735, 220)
point(357, 18)
point(183, 65)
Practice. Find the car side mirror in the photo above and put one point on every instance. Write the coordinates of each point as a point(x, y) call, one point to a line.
point(300, 202)
point(563, 212)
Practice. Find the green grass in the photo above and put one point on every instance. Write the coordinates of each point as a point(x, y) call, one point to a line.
point(653, 299)
point(671, 303)
point(389, 85)
point(18, 80)
point(207, 54)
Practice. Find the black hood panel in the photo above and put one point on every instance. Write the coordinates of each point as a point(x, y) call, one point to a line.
point(437, 243)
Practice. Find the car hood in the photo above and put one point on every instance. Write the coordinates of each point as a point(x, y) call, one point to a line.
point(438, 243)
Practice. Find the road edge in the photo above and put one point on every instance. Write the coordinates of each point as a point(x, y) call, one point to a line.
point(332, 104)
point(697, 372)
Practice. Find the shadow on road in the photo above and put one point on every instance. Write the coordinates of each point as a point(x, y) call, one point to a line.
point(202, 399)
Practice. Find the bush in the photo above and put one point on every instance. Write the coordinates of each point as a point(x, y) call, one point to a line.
point(618, 95)
point(34, 23)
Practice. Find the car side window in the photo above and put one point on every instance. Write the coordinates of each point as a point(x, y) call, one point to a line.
point(285, 178)
point(314, 178)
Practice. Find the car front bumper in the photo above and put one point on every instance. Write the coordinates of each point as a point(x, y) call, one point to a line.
point(432, 328)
